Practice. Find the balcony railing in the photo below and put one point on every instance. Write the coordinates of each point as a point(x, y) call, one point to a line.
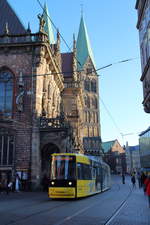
point(72, 85)
point(23, 38)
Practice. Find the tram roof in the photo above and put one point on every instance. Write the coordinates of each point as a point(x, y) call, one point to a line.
point(88, 157)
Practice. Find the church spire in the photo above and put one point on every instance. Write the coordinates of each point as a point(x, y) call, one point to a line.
point(84, 49)
point(48, 25)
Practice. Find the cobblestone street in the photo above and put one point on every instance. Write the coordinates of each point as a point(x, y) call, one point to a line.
point(121, 205)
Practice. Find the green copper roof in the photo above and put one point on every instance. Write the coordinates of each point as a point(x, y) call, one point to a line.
point(48, 25)
point(83, 45)
point(106, 146)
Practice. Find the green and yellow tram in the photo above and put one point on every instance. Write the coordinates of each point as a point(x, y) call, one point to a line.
point(76, 175)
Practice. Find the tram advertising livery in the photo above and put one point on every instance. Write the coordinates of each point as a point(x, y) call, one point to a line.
point(75, 176)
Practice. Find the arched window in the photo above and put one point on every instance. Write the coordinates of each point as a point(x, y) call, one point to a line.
point(87, 85)
point(93, 86)
point(6, 93)
point(85, 100)
point(88, 102)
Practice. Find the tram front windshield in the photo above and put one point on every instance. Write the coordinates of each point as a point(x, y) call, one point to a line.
point(63, 168)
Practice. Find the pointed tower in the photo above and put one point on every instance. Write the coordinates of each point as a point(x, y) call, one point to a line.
point(8, 15)
point(84, 49)
point(48, 25)
point(90, 129)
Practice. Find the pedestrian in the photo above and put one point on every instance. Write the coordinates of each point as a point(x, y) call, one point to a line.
point(148, 190)
point(10, 186)
point(17, 183)
point(5, 185)
point(143, 177)
point(146, 181)
point(1, 187)
point(139, 179)
point(45, 182)
point(133, 180)
point(123, 178)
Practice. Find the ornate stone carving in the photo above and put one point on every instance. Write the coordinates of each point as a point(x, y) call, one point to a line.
point(44, 104)
point(20, 101)
point(49, 108)
point(20, 96)
point(41, 22)
point(50, 90)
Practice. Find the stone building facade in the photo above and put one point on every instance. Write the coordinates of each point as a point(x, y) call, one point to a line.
point(114, 156)
point(43, 98)
point(143, 25)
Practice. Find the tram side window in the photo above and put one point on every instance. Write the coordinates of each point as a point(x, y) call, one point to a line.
point(79, 169)
point(84, 171)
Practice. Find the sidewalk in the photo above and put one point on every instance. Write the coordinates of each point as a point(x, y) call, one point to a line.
point(135, 210)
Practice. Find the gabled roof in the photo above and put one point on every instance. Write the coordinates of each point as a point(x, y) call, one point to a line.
point(8, 15)
point(48, 25)
point(106, 146)
point(67, 62)
point(84, 49)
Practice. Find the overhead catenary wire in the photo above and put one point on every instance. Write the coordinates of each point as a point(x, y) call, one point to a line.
point(70, 72)
point(110, 115)
point(122, 61)
point(56, 29)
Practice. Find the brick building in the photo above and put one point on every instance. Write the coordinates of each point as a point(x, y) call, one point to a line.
point(114, 156)
point(47, 104)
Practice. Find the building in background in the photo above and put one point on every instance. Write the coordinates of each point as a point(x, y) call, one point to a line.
point(114, 155)
point(143, 25)
point(144, 145)
point(48, 99)
point(81, 93)
point(132, 158)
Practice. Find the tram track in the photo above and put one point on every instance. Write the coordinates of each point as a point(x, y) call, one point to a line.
point(109, 220)
point(70, 217)
point(34, 214)
point(117, 211)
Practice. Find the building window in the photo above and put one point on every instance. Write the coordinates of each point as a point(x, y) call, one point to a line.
point(93, 86)
point(6, 150)
point(6, 93)
point(89, 70)
point(87, 85)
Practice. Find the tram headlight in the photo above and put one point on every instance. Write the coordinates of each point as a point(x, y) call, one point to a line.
point(70, 183)
point(52, 183)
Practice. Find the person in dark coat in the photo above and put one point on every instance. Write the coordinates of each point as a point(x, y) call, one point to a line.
point(45, 182)
point(123, 178)
point(143, 177)
point(133, 180)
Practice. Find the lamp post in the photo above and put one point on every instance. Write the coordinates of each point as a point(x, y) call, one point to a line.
point(122, 135)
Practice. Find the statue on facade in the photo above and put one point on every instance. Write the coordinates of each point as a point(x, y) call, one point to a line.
point(44, 104)
point(49, 108)
point(20, 101)
point(42, 22)
point(20, 96)
point(50, 90)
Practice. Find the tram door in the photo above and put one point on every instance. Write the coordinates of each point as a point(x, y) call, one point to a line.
point(45, 156)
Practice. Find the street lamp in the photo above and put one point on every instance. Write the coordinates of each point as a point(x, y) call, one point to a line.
point(122, 135)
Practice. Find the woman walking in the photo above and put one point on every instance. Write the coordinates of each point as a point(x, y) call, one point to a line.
point(148, 190)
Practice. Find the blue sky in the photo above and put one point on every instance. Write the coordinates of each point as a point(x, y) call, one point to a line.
point(112, 31)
